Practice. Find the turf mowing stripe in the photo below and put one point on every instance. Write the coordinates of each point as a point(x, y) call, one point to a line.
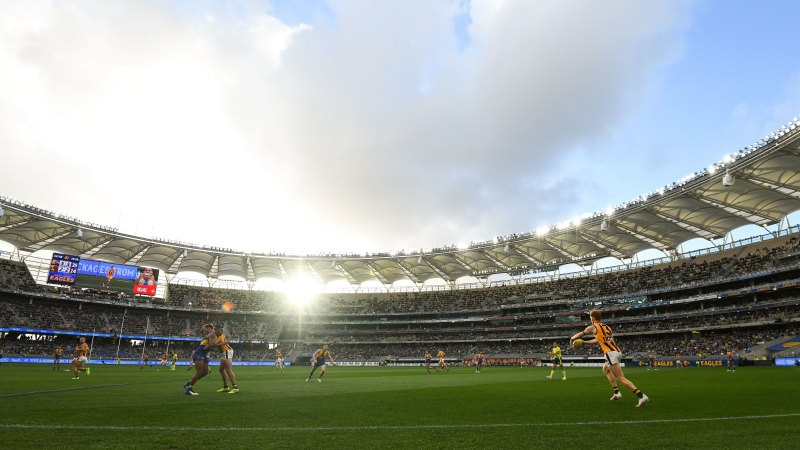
point(25, 394)
point(389, 427)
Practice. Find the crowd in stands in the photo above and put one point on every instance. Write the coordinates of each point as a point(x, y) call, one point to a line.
point(208, 298)
point(47, 314)
point(260, 316)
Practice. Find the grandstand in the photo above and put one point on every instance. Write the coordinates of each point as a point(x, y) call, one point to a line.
point(733, 295)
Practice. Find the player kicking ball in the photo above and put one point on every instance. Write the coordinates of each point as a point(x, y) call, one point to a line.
point(612, 367)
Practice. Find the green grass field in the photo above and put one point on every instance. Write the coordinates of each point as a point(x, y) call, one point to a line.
point(123, 406)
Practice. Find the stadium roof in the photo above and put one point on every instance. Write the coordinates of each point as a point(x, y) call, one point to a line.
point(759, 185)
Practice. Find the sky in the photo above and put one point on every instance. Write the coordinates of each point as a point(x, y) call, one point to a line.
point(309, 127)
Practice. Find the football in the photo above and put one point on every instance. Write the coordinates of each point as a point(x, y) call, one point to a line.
point(577, 344)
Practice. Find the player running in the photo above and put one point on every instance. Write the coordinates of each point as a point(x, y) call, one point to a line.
point(319, 361)
point(174, 360)
point(556, 354)
point(428, 358)
point(200, 358)
point(226, 363)
point(164, 361)
point(279, 360)
point(80, 359)
point(145, 361)
point(612, 367)
point(57, 358)
point(109, 275)
point(442, 365)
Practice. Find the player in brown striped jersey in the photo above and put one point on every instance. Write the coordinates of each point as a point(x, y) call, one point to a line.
point(604, 337)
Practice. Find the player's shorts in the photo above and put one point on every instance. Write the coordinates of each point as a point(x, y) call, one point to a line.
point(227, 354)
point(200, 356)
point(558, 361)
point(82, 359)
point(428, 362)
point(441, 361)
point(613, 357)
point(319, 362)
point(480, 361)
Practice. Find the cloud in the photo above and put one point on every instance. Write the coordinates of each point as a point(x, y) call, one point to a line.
point(375, 130)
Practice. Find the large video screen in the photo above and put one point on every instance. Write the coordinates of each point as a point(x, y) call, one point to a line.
point(63, 269)
point(86, 273)
point(104, 275)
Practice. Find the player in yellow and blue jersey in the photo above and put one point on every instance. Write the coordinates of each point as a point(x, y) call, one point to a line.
point(226, 362)
point(480, 360)
point(318, 360)
point(200, 357)
point(731, 364)
point(556, 354)
point(428, 358)
point(57, 353)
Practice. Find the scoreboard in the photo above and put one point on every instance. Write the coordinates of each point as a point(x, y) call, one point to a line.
point(70, 270)
point(63, 269)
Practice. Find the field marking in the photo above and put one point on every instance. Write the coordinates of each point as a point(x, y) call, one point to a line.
point(390, 427)
point(82, 388)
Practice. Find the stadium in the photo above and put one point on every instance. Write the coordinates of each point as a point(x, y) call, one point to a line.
point(687, 309)
point(113, 338)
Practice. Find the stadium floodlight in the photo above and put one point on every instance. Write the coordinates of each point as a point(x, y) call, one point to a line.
point(604, 225)
point(728, 179)
point(609, 211)
point(78, 233)
point(541, 231)
point(727, 158)
point(505, 249)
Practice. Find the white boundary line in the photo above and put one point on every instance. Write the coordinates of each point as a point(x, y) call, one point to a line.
point(389, 427)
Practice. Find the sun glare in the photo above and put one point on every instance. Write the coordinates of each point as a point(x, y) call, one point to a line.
point(300, 290)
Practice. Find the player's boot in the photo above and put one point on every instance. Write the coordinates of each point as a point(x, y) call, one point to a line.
point(76, 378)
point(564, 379)
point(549, 377)
point(233, 391)
point(88, 370)
point(191, 392)
point(319, 379)
point(224, 389)
point(642, 401)
point(308, 379)
point(616, 396)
